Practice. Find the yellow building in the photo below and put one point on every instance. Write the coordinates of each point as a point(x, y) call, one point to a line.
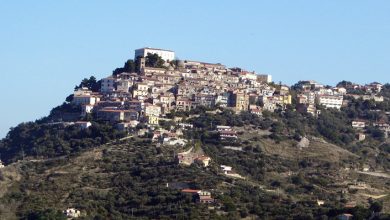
point(153, 120)
point(286, 99)
point(240, 101)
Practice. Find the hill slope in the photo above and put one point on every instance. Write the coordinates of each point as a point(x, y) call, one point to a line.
point(125, 179)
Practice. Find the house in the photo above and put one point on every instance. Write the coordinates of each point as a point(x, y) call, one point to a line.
point(226, 169)
point(135, 105)
point(224, 128)
point(174, 141)
point(204, 197)
point(222, 99)
point(153, 120)
point(186, 125)
point(340, 90)
point(116, 115)
point(142, 89)
point(382, 125)
point(309, 85)
point(361, 136)
point(330, 101)
point(269, 106)
point(148, 71)
point(239, 101)
point(284, 99)
point(72, 213)
point(108, 85)
point(183, 104)
point(203, 160)
point(205, 100)
point(257, 112)
point(124, 85)
point(226, 132)
point(228, 135)
point(358, 124)
point(166, 100)
point(85, 100)
point(375, 87)
point(302, 99)
point(152, 110)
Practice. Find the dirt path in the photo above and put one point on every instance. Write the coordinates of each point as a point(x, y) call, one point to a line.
point(377, 174)
point(374, 196)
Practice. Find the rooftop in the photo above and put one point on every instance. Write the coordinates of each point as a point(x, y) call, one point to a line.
point(151, 48)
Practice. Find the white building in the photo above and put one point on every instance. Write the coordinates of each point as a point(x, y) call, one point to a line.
point(72, 213)
point(249, 75)
point(108, 85)
point(85, 100)
point(224, 128)
point(166, 55)
point(226, 169)
point(358, 124)
point(152, 110)
point(124, 85)
point(330, 101)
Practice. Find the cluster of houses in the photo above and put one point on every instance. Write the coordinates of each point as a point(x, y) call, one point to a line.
point(312, 93)
point(148, 95)
point(151, 93)
point(361, 125)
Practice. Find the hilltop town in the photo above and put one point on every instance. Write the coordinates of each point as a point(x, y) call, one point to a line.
point(154, 85)
point(167, 138)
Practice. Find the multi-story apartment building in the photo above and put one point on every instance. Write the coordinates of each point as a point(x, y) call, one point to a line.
point(330, 101)
point(108, 85)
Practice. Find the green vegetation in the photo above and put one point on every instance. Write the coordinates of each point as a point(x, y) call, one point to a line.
point(130, 66)
point(90, 83)
point(47, 140)
point(154, 60)
point(107, 177)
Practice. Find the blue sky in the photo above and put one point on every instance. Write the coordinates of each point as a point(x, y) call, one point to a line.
point(47, 47)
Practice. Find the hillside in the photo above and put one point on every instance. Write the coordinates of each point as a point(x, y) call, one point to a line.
point(194, 140)
point(128, 179)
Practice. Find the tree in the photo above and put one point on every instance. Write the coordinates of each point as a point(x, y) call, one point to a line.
point(344, 84)
point(130, 66)
point(154, 60)
point(48, 214)
point(376, 206)
point(90, 83)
